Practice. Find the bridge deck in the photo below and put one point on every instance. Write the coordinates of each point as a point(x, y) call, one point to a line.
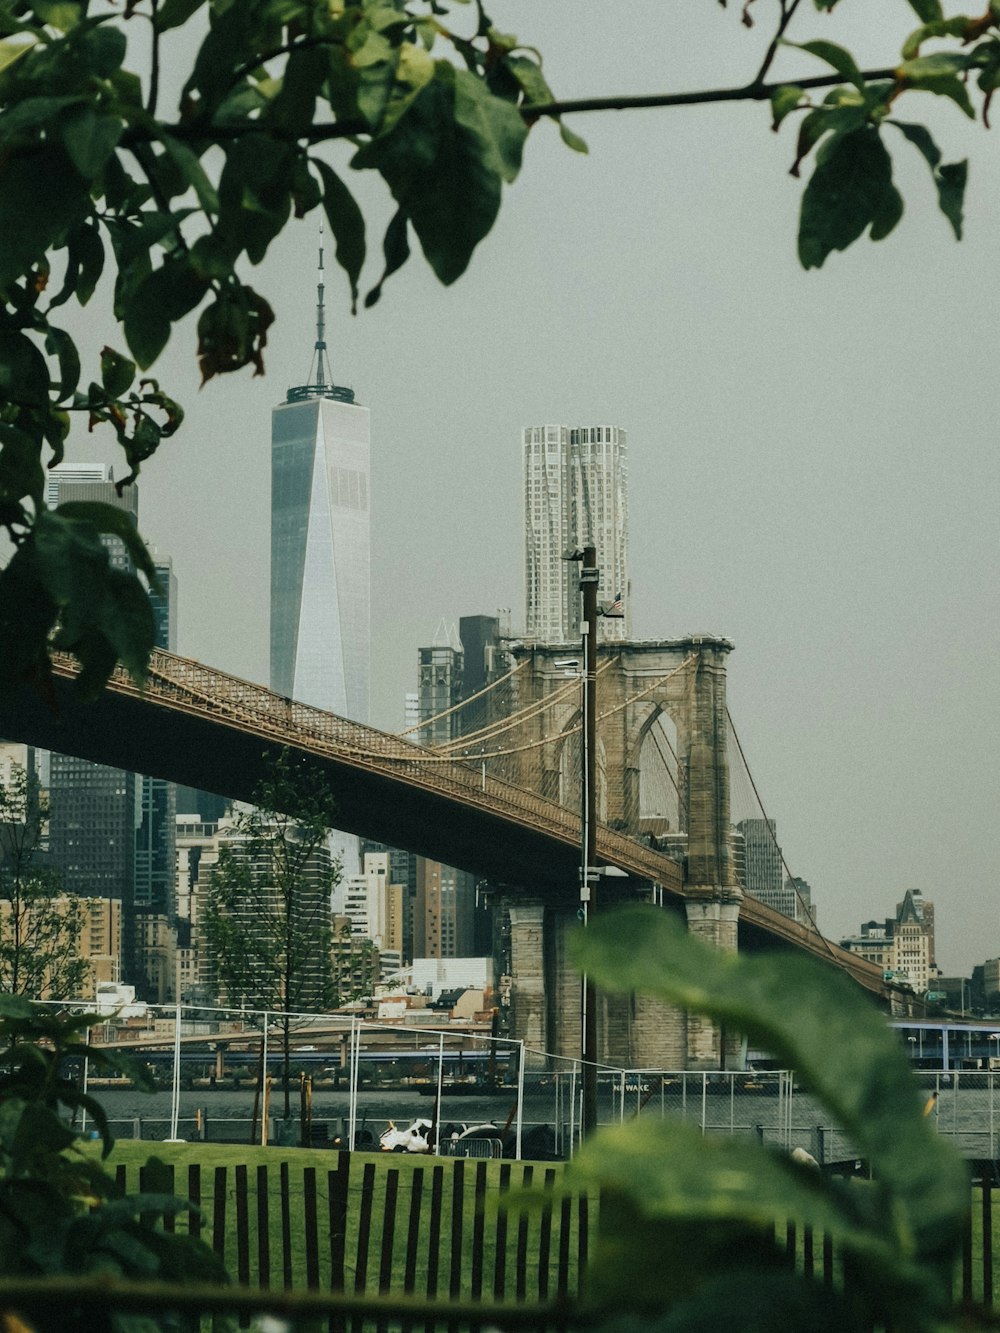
point(201, 727)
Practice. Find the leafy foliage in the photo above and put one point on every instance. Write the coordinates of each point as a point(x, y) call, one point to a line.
point(267, 921)
point(94, 177)
point(40, 926)
point(60, 1212)
point(709, 1210)
point(100, 190)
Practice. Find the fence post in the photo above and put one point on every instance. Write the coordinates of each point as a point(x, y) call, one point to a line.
point(86, 1077)
point(263, 1087)
point(520, 1099)
point(436, 1129)
point(352, 1098)
point(175, 1097)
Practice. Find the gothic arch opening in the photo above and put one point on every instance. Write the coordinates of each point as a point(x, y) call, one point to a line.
point(661, 777)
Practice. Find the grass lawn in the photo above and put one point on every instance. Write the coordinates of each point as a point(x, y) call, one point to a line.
point(431, 1226)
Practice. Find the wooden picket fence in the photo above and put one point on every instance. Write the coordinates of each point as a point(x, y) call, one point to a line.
point(451, 1235)
point(434, 1229)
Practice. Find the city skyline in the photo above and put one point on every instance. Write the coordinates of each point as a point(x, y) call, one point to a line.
point(817, 478)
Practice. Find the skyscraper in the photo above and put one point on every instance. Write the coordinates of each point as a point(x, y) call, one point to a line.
point(155, 837)
point(445, 899)
point(320, 541)
point(575, 493)
point(94, 809)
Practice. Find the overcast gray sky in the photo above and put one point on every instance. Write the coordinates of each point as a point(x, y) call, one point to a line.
point(813, 456)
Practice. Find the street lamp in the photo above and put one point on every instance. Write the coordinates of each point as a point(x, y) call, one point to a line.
point(913, 1042)
point(589, 575)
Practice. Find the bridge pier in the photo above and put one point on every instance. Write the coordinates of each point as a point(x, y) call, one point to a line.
point(633, 1031)
point(529, 1017)
point(713, 916)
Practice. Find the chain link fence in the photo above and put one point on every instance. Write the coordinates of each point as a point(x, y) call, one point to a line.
point(358, 1084)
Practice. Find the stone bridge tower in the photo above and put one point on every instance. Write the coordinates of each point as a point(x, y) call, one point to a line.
point(664, 700)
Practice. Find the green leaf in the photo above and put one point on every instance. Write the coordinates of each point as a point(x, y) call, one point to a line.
point(444, 160)
point(175, 13)
point(21, 471)
point(842, 61)
point(293, 109)
point(117, 372)
point(347, 224)
point(927, 10)
point(784, 100)
point(192, 172)
point(844, 195)
point(89, 139)
point(396, 249)
point(940, 74)
point(112, 522)
point(61, 14)
point(162, 297)
point(42, 198)
point(888, 215)
point(495, 124)
point(13, 48)
point(949, 180)
point(770, 1302)
point(24, 376)
point(819, 1023)
point(671, 1170)
point(58, 343)
point(84, 264)
point(940, 27)
point(572, 140)
point(27, 614)
point(255, 194)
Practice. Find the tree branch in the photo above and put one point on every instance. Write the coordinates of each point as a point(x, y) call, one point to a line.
point(325, 133)
point(750, 92)
point(788, 8)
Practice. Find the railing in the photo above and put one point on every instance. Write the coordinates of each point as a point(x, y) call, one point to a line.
point(390, 1226)
point(351, 1077)
point(179, 682)
point(402, 1245)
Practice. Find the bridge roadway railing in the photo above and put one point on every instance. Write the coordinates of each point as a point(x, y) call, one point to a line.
point(182, 683)
point(179, 682)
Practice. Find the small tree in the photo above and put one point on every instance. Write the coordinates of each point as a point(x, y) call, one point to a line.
point(267, 921)
point(40, 926)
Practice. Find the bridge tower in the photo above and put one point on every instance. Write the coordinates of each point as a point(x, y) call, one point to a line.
point(674, 690)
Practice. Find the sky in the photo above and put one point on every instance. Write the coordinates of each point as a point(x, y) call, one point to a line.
point(813, 462)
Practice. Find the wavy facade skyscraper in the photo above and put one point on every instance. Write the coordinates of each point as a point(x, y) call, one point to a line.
point(575, 492)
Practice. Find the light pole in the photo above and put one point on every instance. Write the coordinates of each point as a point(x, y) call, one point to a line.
point(589, 575)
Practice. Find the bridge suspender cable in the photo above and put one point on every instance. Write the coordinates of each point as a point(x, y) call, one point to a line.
point(767, 822)
point(464, 703)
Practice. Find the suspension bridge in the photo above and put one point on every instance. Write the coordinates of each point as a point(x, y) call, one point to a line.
point(499, 796)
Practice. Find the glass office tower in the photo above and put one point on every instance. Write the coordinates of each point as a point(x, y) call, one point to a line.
point(321, 540)
point(320, 550)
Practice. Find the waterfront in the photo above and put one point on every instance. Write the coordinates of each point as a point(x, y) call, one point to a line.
point(966, 1109)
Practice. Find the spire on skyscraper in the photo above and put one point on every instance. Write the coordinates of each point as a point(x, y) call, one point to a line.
point(320, 359)
point(320, 382)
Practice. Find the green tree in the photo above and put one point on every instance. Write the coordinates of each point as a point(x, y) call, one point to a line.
point(40, 926)
point(430, 96)
point(268, 923)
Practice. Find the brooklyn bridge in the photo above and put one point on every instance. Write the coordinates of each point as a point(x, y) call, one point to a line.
point(502, 802)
